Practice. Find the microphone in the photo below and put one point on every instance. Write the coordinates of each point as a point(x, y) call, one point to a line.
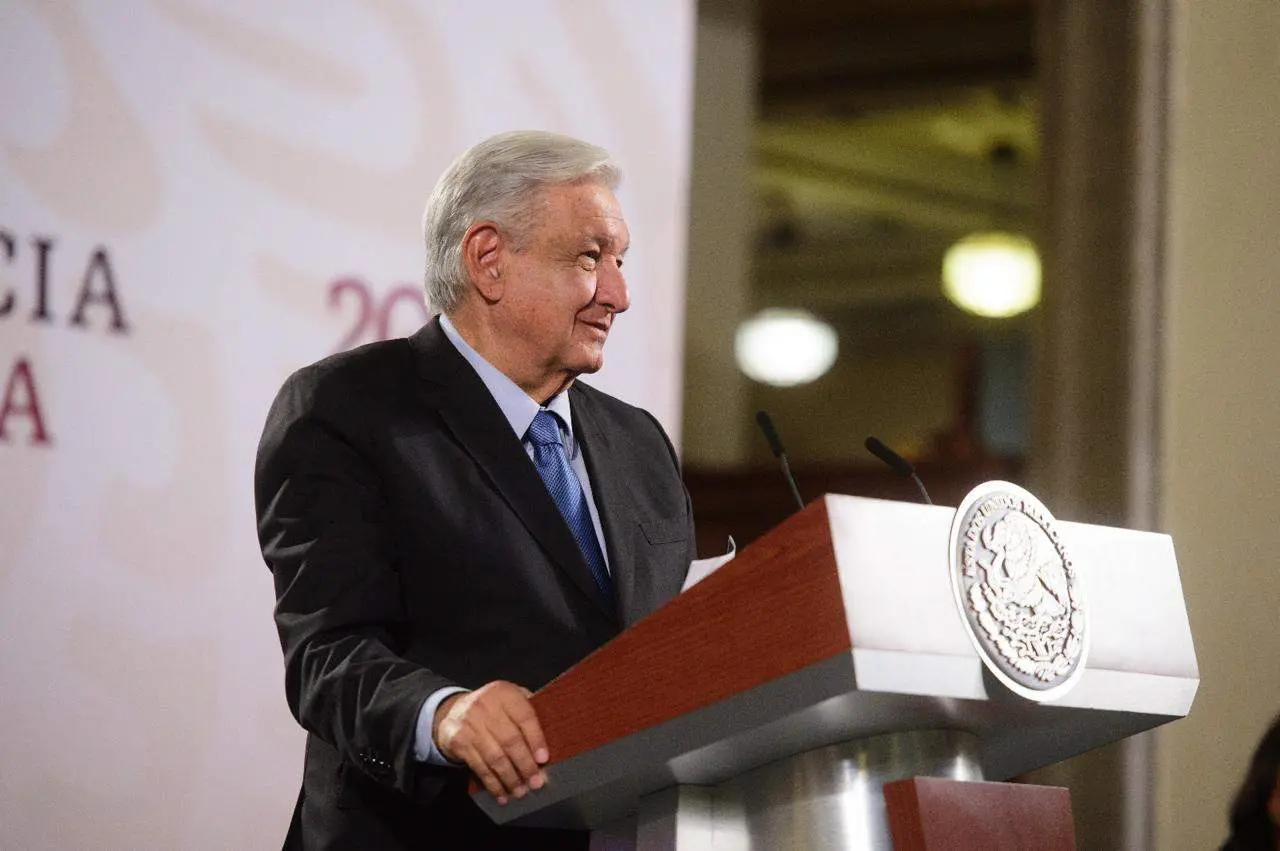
point(899, 464)
point(775, 443)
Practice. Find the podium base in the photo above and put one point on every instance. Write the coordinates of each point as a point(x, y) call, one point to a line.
point(828, 799)
point(933, 814)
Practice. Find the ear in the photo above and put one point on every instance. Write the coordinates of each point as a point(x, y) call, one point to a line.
point(483, 248)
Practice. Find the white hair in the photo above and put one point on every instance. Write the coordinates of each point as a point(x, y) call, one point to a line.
point(498, 180)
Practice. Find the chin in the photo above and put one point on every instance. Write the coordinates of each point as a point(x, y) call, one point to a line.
point(589, 359)
point(589, 368)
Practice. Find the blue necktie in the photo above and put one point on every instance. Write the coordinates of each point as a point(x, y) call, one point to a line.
point(553, 465)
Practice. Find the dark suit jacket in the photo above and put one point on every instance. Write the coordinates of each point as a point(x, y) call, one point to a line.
point(415, 546)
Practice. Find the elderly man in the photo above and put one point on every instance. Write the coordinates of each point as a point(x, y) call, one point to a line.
point(452, 519)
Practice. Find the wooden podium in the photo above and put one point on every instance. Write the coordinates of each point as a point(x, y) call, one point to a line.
point(767, 706)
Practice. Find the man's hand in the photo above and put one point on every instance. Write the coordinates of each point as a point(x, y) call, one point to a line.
point(495, 731)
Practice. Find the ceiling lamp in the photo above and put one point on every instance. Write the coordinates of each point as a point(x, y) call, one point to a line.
point(992, 274)
point(785, 347)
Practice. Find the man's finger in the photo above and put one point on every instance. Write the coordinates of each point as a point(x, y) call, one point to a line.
point(483, 773)
point(512, 740)
point(500, 764)
point(527, 720)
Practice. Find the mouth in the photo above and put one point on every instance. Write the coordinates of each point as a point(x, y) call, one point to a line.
point(599, 325)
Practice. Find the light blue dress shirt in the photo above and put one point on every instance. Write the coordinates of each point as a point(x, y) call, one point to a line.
point(519, 409)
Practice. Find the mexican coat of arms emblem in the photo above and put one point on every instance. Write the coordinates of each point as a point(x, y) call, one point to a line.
point(1018, 592)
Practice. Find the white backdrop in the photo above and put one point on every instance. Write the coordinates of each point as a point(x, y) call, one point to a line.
point(196, 197)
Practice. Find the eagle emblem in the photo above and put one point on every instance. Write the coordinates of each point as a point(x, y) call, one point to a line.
point(1018, 592)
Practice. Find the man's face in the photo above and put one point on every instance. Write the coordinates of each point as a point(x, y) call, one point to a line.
point(566, 284)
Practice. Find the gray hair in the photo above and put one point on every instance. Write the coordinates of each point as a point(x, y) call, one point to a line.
point(498, 180)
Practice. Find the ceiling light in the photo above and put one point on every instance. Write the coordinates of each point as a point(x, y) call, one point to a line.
point(785, 347)
point(992, 274)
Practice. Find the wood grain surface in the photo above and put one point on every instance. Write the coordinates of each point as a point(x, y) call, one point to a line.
point(937, 814)
point(775, 609)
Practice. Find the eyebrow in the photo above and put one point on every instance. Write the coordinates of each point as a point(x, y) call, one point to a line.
point(606, 241)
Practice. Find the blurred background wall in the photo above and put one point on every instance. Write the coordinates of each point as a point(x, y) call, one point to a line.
point(197, 197)
point(1135, 142)
point(1220, 478)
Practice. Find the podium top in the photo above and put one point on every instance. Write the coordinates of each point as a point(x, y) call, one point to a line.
point(841, 624)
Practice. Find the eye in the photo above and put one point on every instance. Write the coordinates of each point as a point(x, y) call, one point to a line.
point(619, 262)
point(592, 258)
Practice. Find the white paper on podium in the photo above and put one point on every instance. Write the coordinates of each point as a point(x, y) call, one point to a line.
point(700, 569)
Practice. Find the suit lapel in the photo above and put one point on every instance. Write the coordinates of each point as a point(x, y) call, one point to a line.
point(608, 486)
point(477, 423)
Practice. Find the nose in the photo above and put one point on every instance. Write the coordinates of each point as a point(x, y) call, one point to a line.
point(611, 288)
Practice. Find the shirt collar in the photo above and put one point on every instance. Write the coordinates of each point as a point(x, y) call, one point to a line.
point(516, 405)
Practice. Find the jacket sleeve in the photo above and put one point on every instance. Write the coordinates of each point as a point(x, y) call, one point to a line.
point(339, 608)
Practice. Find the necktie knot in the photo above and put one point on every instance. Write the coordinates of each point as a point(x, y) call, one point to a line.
point(544, 430)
